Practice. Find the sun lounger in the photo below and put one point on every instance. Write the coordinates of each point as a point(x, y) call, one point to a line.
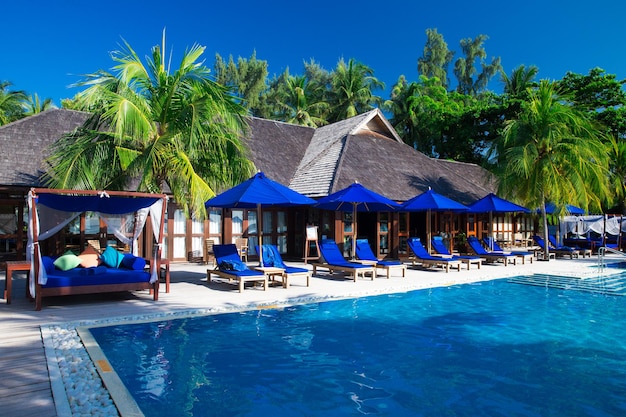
point(478, 248)
point(493, 245)
point(273, 259)
point(229, 265)
point(556, 251)
point(334, 261)
point(367, 257)
point(584, 252)
point(423, 257)
point(443, 251)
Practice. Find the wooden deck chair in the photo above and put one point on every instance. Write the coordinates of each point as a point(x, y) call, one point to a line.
point(366, 256)
point(333, 260)
point(272, 258)
point(523, 255)
point(442, 250)
point(230, 266)
point(426, 260)
point(479, 250)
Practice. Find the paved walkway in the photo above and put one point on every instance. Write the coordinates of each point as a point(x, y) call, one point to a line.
point(25, 385)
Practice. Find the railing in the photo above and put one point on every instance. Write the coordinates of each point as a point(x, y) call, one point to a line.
point(601, 252)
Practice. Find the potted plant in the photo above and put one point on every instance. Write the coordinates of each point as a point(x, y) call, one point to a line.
point(461, 242)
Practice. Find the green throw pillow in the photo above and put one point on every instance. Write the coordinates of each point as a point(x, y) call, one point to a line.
point(111, 257)
point(67, 262)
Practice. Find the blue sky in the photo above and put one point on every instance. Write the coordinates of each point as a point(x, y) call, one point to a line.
point(48, 45)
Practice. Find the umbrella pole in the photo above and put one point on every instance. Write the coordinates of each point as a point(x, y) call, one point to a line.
point(428, 230)
point(354, 231)
point(259, 222)
point(493, 233)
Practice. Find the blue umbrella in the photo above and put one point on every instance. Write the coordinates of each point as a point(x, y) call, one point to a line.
point(429, 201)
point(256, 192)
point(491, 203)
point(551, 208)
point(356, 198)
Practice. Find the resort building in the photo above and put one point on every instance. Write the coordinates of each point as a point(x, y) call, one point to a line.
point(313, 161)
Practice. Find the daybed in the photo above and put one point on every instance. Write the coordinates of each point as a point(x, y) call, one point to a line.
point(51, 210)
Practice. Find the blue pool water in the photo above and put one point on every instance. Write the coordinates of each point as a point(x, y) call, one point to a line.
point(488, 349)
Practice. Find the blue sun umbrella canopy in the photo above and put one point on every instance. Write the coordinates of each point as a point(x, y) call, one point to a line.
point(257, 192)
point(570, 209)
point(431, 200)
point(491, 203)
point(356, 198)
point(359, 197)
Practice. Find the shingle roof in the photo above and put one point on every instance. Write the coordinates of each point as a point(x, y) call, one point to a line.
point(367, 149)
point(24, 144)
point(277, 148)
point(315, 162)
point(318, 168)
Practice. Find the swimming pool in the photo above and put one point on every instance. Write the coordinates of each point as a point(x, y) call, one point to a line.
point(487, 349)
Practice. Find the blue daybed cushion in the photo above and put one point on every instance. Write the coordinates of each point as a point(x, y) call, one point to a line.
point(111, 257)
point(130, 261)
point(101, 275)
point(48, 264)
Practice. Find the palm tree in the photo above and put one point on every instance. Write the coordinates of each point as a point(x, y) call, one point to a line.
point(551, 152)
point(11, 103)
point(298, 105)
point(154, 127)
point(34, 105)
point(352, 90)
point(520, 80)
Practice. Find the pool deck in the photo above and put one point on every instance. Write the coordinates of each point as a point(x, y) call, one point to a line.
point(25, 384)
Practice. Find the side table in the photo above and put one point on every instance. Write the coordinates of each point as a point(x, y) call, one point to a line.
point(12, 266)
point(273, 272)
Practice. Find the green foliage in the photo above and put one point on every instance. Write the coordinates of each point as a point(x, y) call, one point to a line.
point(553, 152)
point(247, 78)
point(11, 103)
point(444, 124)
point(152, 127)
point(353, 85)
point(470, 80)
point(34, 105)
point(436, 58)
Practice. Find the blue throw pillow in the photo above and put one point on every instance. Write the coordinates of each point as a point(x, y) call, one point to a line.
point(133, 262)
point(67, 262)
point(111, 257)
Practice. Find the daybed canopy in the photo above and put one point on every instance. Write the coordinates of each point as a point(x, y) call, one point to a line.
point(124, 212)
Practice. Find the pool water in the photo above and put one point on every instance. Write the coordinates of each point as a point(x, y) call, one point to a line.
point(488, 349)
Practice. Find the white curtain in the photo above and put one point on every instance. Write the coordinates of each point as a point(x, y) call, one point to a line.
point(582, 225)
